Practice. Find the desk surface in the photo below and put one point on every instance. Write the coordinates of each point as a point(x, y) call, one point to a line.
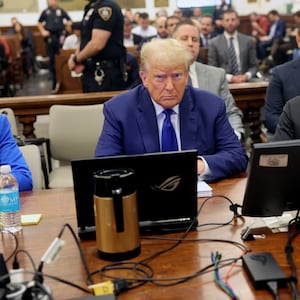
point(57, 207)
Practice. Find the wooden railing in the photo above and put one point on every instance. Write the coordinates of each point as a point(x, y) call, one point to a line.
point(248, 96)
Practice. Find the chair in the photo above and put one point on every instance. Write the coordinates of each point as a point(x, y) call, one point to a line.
point(32, 156)
point(73, 132)
point(12, 119)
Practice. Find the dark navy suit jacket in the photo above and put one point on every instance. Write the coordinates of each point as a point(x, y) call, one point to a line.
point(130, 127)
point(283, 86)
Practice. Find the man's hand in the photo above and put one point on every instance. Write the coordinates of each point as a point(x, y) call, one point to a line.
point(76, 67)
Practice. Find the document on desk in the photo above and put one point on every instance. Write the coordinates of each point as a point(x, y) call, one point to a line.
point(203, 189)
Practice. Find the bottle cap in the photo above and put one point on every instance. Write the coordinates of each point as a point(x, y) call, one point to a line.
point(5, 169)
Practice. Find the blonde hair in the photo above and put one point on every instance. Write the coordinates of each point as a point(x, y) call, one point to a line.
point(165, 52)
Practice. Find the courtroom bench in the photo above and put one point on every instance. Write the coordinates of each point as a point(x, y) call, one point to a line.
point(248, 96)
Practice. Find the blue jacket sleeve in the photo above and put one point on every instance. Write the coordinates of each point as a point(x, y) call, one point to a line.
point(10, 154)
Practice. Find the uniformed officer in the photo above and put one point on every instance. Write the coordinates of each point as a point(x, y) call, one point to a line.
point(51, 24)
point(101, 56)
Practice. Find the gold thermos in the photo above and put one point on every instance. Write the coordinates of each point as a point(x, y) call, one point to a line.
point(116, 214)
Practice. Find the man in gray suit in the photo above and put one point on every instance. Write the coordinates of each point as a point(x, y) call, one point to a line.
point(208, 77)
point(244, 51)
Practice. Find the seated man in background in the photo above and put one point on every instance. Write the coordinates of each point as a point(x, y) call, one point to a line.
point(209, 78)
point(171, 24)
point(288, 127)
point(144, 29)
point(72, 41)
point(136, 121)
point(274, 39)
point(260, 25)
point(283, 86)
point(10, 154)
point(233, 51)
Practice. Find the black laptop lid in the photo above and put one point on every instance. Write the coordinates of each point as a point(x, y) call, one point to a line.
point(166, 184)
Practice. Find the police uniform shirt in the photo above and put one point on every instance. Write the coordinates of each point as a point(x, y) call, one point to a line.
point(105, 15)
point(53, 19)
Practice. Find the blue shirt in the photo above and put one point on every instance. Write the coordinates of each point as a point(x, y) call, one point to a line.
point(10, 154)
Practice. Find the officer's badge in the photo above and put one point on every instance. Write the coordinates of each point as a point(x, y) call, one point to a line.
point(105, 13)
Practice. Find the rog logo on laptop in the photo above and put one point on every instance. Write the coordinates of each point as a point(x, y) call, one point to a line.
point(169, 185)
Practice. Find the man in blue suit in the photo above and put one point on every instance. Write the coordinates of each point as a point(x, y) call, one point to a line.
point(283, 86)
point(134, 119)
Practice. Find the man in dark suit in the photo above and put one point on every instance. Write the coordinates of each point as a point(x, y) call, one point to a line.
point(283, 86)
point(134, 120)
point(244, 51)
point(273, 40)
point(288, 127)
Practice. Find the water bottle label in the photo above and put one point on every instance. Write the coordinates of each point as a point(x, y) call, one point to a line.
point(9, 201)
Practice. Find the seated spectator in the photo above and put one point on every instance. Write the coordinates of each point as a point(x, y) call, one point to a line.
point(272, 40)
point(260, 25)
point(128, 36)
point(288, 49)
point(161, 28)
point(3, 55)
point(197, 13)
point(134, 120)
point(233, 51)
point(206, 30)
point(144, 29)
point(283, 86)
point(178, 13)
point(288, 127)
point(171, 24)
point(128, 14)
point(10, 154)
point(208, 77)
point(72, 41)
point(218, 16)
point(26, 43)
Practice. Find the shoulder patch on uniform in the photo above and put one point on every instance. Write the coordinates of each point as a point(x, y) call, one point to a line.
point(105, 13)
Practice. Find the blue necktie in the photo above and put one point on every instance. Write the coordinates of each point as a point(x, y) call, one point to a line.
point(168, 135)
point(234, 65)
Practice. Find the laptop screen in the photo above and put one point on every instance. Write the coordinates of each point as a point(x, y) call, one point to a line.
point(166, 186)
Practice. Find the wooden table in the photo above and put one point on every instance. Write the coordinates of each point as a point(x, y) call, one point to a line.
point(247, 95)
point(57, 207)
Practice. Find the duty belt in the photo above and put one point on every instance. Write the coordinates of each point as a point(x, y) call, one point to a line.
point(106, 64)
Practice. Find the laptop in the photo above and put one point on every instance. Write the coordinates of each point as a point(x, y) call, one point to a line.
point(166, 188)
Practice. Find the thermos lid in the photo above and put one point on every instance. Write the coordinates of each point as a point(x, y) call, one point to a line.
point(107, 181)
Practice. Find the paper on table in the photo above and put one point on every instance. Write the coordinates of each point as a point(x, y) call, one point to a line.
point(203, 189)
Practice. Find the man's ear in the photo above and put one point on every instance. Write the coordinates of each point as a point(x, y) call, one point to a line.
point(143, 77)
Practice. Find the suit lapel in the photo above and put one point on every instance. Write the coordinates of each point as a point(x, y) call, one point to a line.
point(146, 119)
point(188, 124)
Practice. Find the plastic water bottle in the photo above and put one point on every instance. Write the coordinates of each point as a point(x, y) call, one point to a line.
point(10, 217)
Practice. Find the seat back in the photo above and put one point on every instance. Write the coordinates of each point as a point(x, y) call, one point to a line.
point(11, 118)
point(32, 156)
point(74, 130)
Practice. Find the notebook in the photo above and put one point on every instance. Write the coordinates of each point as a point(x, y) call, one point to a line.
point(166, 186)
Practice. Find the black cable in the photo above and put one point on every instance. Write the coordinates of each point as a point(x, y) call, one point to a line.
point(16, 263)
point(293, 232)
point(233, 207)
point(273, 287)
point(16, 247)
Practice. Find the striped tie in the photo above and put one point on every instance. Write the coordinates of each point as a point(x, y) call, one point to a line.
point(168, 135)
point(233, 60)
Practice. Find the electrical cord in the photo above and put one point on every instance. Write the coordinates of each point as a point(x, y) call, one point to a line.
point(233, 207)
point(293, 232)
point(144, 273)
point(273, 287)
point(16, 247)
